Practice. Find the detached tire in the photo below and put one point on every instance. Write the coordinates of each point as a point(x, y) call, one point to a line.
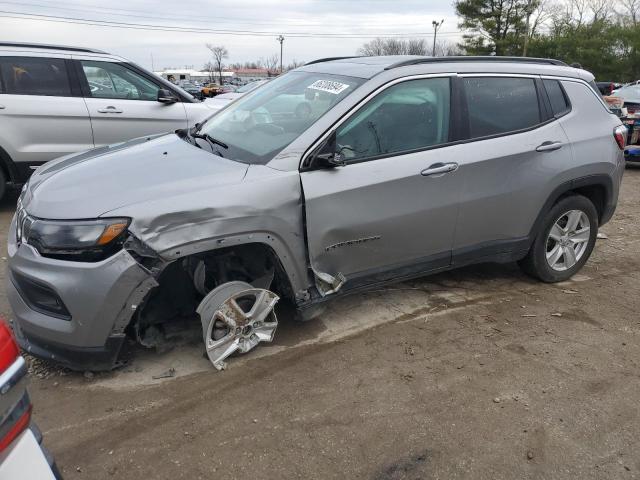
point(565, 240)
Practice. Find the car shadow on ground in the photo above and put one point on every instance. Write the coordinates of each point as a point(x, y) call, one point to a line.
point(344, 317)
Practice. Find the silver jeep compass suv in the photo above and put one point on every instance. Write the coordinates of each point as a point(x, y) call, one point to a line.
point(337, 176)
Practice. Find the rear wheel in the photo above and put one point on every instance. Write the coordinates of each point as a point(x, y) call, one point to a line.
point(565, 241)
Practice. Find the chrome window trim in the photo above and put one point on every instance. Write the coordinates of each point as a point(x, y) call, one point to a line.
point(577, 80)
point(509, 75)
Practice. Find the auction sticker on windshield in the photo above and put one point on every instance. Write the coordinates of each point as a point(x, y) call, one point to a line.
point(329, 86)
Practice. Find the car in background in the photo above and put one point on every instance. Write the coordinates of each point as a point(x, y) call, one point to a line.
point(57, 100)
point(224, 99)
point(228, 88)
point(607, 88)
point(21, 453)
point(630, 96)
point(210, 90)
point(192, 89)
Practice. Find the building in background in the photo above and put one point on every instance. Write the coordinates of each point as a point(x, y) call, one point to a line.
point(177, 74)
point(240, 75)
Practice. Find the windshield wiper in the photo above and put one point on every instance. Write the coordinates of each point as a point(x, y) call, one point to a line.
point(210, 139)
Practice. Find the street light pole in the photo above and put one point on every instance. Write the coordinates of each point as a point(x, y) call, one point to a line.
point(281, 40)
point(436, 26)
point(526, 30)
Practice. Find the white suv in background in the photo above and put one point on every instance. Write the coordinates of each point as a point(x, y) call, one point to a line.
point(58, 100)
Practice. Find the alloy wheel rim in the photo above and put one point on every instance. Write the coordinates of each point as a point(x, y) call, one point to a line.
point(567, 240)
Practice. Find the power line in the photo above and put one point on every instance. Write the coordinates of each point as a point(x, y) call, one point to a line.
point(138, 13)
point(179, 29)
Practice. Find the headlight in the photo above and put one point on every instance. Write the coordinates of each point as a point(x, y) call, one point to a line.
point(82, 240)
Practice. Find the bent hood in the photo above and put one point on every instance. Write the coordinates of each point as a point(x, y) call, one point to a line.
point(91, 183)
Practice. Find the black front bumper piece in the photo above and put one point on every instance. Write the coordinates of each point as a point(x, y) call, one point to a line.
point(75, 358)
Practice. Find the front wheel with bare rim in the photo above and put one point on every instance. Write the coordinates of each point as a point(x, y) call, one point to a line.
point(564, 242)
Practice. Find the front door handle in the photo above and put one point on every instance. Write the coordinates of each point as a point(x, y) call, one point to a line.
point(109, 109)
point(2, 107)
point(549, 146)
point(437, 168)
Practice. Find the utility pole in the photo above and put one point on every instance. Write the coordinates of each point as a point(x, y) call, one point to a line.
point(153, 69)
point(281, 40)
point(526, 29)
point(436, 27)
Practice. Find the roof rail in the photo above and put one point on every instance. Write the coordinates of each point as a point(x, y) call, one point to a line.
point(417, 61)
point(50, 47)
point(329, 59)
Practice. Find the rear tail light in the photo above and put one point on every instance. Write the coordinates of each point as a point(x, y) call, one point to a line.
point(18, 426)
point(620, 134)
point(9, 350)
point(12, 370)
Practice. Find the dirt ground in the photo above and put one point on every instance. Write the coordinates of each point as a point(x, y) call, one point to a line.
point(480, 373)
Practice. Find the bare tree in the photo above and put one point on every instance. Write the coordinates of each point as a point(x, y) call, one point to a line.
point(540, 16)
point(374, 48)
point(445, 48)
point(394, 46)
point(600, 9)
point(271, 63)
point(631, 10)
point(293, 65)
point(416, 46)
point(219, 54)
point(210, 68)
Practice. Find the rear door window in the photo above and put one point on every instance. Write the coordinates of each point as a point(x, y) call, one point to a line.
point(499, 105)
point(34, 76)
point(557, 97)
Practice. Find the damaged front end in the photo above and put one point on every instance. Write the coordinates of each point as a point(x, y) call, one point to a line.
point(225, 293)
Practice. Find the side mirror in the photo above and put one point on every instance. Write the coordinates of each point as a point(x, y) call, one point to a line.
point(166, 97)
point(327, 155)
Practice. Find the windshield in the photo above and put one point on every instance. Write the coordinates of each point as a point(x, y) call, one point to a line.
point(259, 125)
point(250, 86)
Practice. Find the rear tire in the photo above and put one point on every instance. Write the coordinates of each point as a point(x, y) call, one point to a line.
point(561, 248)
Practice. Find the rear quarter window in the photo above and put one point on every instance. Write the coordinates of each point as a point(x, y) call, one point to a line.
point(557, 97)
point(34, 76)
point(499, 105)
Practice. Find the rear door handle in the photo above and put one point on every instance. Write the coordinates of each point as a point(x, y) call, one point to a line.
point(549, 146)
point(109, 109)
point(437, 168)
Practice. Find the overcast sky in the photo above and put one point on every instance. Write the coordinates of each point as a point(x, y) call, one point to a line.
point(347, 18)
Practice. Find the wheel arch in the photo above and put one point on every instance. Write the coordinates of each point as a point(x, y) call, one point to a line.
point(597, 188)
point(272, 246)
point(8, 166)
point(183, 281)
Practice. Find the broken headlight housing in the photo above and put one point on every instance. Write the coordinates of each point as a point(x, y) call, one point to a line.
point(76, 240)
